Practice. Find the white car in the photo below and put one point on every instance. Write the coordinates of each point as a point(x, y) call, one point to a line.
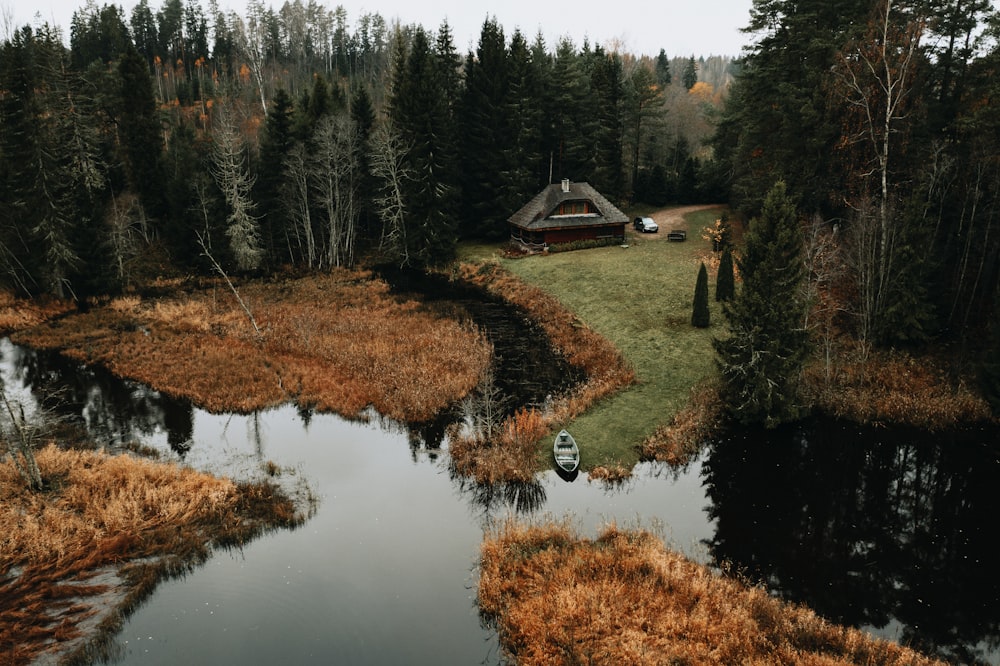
point(645, 225)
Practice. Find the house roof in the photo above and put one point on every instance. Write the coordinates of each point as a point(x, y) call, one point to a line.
point(536, 214)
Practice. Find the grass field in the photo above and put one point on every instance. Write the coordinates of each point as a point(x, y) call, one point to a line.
point(640, 298)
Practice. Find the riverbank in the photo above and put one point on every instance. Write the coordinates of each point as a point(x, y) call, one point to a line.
point(623, 598)
point(337, 342)
point(640, 297)
point(79, 556)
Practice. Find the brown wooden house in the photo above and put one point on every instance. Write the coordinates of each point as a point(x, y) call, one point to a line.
point(567, 212)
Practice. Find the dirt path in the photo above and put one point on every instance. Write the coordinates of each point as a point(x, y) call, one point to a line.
point(671, 218)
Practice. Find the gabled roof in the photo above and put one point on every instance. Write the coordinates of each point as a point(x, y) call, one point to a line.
point(535, 215)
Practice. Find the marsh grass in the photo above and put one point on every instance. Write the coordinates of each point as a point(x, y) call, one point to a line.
point(623, 598)
point(338, 342)
point(894, 387)
point(510, 456)
point(106, 530)
point(17, 313)
point(678, 441)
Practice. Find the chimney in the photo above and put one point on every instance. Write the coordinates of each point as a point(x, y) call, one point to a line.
point(565, 185)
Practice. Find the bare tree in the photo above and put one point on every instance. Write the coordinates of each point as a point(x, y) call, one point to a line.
point(335, 179)
point(250, 39)
point(388, 164)
point(295, 190)
point(129, 231)
point(229, 167)
point(825, 268)
point(229, 283)
point(877, 75)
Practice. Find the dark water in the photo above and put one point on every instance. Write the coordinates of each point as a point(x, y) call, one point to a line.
point(526, 369)
point(886, 529)
point(890, 528)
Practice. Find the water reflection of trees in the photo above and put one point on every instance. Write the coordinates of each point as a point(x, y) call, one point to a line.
point(490, 498)
point(866, 526)
point(111, 411)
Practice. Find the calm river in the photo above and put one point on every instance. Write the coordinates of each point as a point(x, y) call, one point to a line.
point(891, 531)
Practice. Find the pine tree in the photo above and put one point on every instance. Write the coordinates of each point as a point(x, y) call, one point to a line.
point(421, 112)
point(275, 144)
point(487, 134)
point(139, 130)
point(700, 316)
point(725, 283)
point(662, 69)
point(761, 359)
point(690, 75)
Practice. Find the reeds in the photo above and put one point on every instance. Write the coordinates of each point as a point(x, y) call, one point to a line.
point(17, 313)
point(65, 552)
point(511, 456)
point(894, 387)
point(336, 342)
point(676, 442)
point(623, 598)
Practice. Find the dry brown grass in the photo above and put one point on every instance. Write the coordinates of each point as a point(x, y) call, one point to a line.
point(512, 455)
point(686, 434)
point(894, 387)
point(17, 313)
point(337, 342)
point(109, 527)
point(623, 598)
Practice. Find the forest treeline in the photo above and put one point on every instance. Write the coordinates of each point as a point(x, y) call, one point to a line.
point(179, 136)
point(176, 137)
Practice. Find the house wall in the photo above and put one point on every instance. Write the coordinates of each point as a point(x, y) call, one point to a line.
point(553, 236)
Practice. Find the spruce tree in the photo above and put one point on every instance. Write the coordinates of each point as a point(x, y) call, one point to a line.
point(701, 317)
point(421, 111)
point(276, 142)
point(761, 359)
point(725, 282)
point(690, 76)
point(140, 133)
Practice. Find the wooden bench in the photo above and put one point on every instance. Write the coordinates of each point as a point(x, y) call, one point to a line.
point(677, 235)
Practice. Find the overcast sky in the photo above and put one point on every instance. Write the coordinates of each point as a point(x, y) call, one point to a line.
point(680, 27)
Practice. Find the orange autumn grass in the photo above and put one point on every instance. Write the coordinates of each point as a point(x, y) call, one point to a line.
point(895, 387)
point(623, 598)
point(101, 536)
point(514, 454)
point(337, 342)
point(17, 313)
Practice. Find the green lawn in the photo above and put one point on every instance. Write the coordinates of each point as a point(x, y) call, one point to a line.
point(640, 298)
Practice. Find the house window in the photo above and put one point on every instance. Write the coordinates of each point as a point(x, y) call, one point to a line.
point(575, 208)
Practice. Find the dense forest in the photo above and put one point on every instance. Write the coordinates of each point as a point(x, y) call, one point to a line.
point(176, 137)
point(179, 138)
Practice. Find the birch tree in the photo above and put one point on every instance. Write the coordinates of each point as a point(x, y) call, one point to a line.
point(295, 189)
point(389, 168)
point(335, 181)
point(250, 38)
point(877, 75)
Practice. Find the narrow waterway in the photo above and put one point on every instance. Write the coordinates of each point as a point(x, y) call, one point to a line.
point(886, 529)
